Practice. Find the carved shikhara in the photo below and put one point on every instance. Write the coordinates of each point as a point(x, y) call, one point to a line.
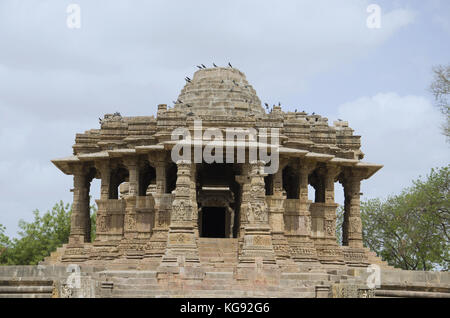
point(158, 215)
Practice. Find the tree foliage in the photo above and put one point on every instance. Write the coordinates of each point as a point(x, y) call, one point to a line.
point(40, 237)
point(440, 87)
point(410, 230)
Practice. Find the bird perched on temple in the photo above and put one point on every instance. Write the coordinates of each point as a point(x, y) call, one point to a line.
point(214, 65)
point(188, 79)
point(313, 114)
point(100, 120)
point(229, 64)
point(295, 110)
point(203, 66)
point(267, 105)
point(279, 104)
point(199, 67)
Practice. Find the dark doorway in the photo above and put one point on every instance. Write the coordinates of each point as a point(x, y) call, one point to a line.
point(213, 222)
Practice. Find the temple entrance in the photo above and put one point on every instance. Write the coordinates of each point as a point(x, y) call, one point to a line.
point(218, 200)
point(214, 222)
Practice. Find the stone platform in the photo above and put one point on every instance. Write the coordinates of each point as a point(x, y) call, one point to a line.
point(191, 282)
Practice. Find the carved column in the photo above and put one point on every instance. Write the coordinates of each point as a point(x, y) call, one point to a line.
point(299, 236)
point(324, 218)
point(129, 245)
point(193, 198)
point(257, 243)
point(161, 184)
point(78, 220)
point(103, 221)
point(130, 229)
point(156, 247)
point(244, 182)
point(105, 173)
point(354, 252)
point(181, 243)
point(132, 165)
point(330, 216)
point(352, 227)
point(276, 216)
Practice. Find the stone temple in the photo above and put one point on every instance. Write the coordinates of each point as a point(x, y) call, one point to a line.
point(153, 211)
point(196, 229)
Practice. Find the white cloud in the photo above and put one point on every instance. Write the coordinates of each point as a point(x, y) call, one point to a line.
point(400, 132)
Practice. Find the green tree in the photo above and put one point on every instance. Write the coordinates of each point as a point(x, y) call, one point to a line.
point(40, 237)
point(339, 223)
point(440, 88)
point(5, 243)
point(410, 230)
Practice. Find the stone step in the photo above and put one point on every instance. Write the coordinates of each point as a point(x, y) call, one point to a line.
point(304, 293)
point(128, 274)
point(25, 289)
point(147, 287)
point(25, 282)
point(26, 295)
point(136, 281)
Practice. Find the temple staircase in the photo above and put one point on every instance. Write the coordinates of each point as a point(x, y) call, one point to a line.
point(218, 254)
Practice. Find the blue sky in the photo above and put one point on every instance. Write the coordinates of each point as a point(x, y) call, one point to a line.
point(313, 55)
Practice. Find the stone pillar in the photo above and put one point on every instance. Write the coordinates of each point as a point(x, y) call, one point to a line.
point(130, 229)
point(299, 237)
point(278, 178)
point(129, 245)
point(276, 217)
point(257, 243)
point(156, 247)
point(105, 173)
point(330, 216)
point(330, 177)
point(352, 226)
point(244, 182)
point(193, 197)
point(80, 221)
point(102, 221)
point(161, 184)
point(181, 243)
point(324, 218)
point(132, 165)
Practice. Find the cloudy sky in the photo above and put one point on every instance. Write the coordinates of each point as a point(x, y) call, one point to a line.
point(129, 56)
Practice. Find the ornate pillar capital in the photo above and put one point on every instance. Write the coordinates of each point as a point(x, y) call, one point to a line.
point(307, 166)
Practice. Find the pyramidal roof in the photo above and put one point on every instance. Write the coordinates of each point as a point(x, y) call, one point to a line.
point(219, 91)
